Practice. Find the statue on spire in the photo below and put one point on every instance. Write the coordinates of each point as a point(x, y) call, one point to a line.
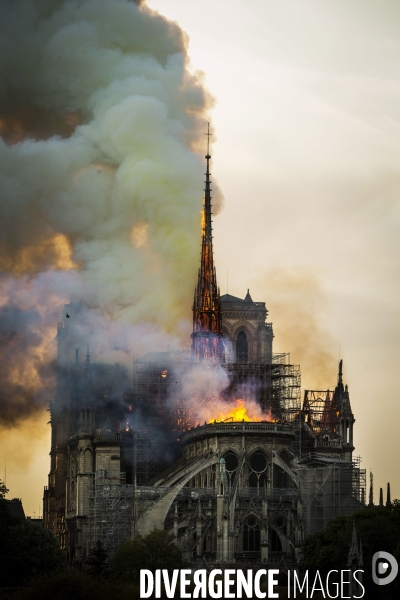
point(207, 336)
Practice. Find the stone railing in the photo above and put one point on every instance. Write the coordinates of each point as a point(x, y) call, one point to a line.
point(237, 428)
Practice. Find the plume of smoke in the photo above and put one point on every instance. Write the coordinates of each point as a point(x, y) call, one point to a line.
point(203, 389)
point(200, 388)
point(101, 185)
point(298, 304)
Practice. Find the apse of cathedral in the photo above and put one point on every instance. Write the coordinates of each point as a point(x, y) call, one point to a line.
point(214, 445)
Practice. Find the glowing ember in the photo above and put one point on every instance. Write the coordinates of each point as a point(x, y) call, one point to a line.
point(239, 412)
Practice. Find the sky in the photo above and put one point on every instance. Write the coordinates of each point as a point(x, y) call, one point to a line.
point(303, 98)
point(307, 155)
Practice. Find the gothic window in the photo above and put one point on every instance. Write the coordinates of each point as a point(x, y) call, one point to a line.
point(231, 464)
point(242, 347)
point(274, 541)
point(88, 467)
point(213, 476)
point(258, 470)
point(251, 535)
point(280, 477)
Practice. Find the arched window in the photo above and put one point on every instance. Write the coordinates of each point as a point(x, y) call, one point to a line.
point(274, 541)
point(231, 464)
point(258, 470)
point(280, 478)
point(251, 535)
point(242, 347)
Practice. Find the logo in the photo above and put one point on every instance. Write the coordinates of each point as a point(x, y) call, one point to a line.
point(384, 564)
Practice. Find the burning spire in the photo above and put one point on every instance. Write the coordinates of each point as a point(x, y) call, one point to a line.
point(207, 333)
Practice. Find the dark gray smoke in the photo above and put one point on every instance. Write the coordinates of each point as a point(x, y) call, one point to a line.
point(100, 121)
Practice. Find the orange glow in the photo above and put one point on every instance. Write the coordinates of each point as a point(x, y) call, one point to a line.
point(51, 253)
point(36, 124)
point(139, 235)
point(203, 221)
point(239, 413)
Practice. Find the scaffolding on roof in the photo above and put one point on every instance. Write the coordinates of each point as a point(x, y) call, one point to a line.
point(320, 411)
point(157, 386)
point(276, 384)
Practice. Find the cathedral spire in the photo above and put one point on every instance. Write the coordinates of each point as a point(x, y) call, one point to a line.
point(87, 375)
point(87, 361)
point(207, 316)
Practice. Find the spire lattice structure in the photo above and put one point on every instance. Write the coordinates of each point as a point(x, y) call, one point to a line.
point(207, 333)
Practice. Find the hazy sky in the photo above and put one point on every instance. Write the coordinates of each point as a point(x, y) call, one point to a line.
point(306, 125)
point(307, 121)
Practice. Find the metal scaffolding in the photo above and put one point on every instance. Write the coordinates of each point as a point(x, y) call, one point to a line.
point(276, 384)
point(320, 411)
point(110, 511)
point(327, 491)
point(162, 399)
point(156, 380)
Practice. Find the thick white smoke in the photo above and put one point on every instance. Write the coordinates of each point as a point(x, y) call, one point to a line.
point(100, 180)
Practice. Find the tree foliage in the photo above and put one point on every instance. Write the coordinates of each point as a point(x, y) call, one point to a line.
point(153, 551)
point(3, 489)
point(80, 586)
point(378, 529)
point(26, 550)
point(97, 560)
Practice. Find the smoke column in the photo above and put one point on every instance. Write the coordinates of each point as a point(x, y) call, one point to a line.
point(101, 123)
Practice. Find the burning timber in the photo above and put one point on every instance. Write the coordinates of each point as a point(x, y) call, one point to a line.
point(214, 444)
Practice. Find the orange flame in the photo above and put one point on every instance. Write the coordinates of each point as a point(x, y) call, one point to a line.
point(203, 221)
point(239, 413)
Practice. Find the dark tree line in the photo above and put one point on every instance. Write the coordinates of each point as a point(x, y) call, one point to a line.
point(32, 566)
point(378, 528)
point(31, 560)
point(26, 549)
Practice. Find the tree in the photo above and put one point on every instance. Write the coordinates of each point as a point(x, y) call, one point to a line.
point(3, 490)
point(153, 551)
point(378, 529)
point(26, 550)
point(97, 560)
point(79, 586)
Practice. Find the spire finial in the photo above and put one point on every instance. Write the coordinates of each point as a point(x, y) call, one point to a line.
point(388, 501)
point(340, 379)
point(87, 364)
point(371, 489)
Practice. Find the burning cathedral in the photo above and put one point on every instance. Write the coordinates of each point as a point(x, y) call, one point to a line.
point(214, 445)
